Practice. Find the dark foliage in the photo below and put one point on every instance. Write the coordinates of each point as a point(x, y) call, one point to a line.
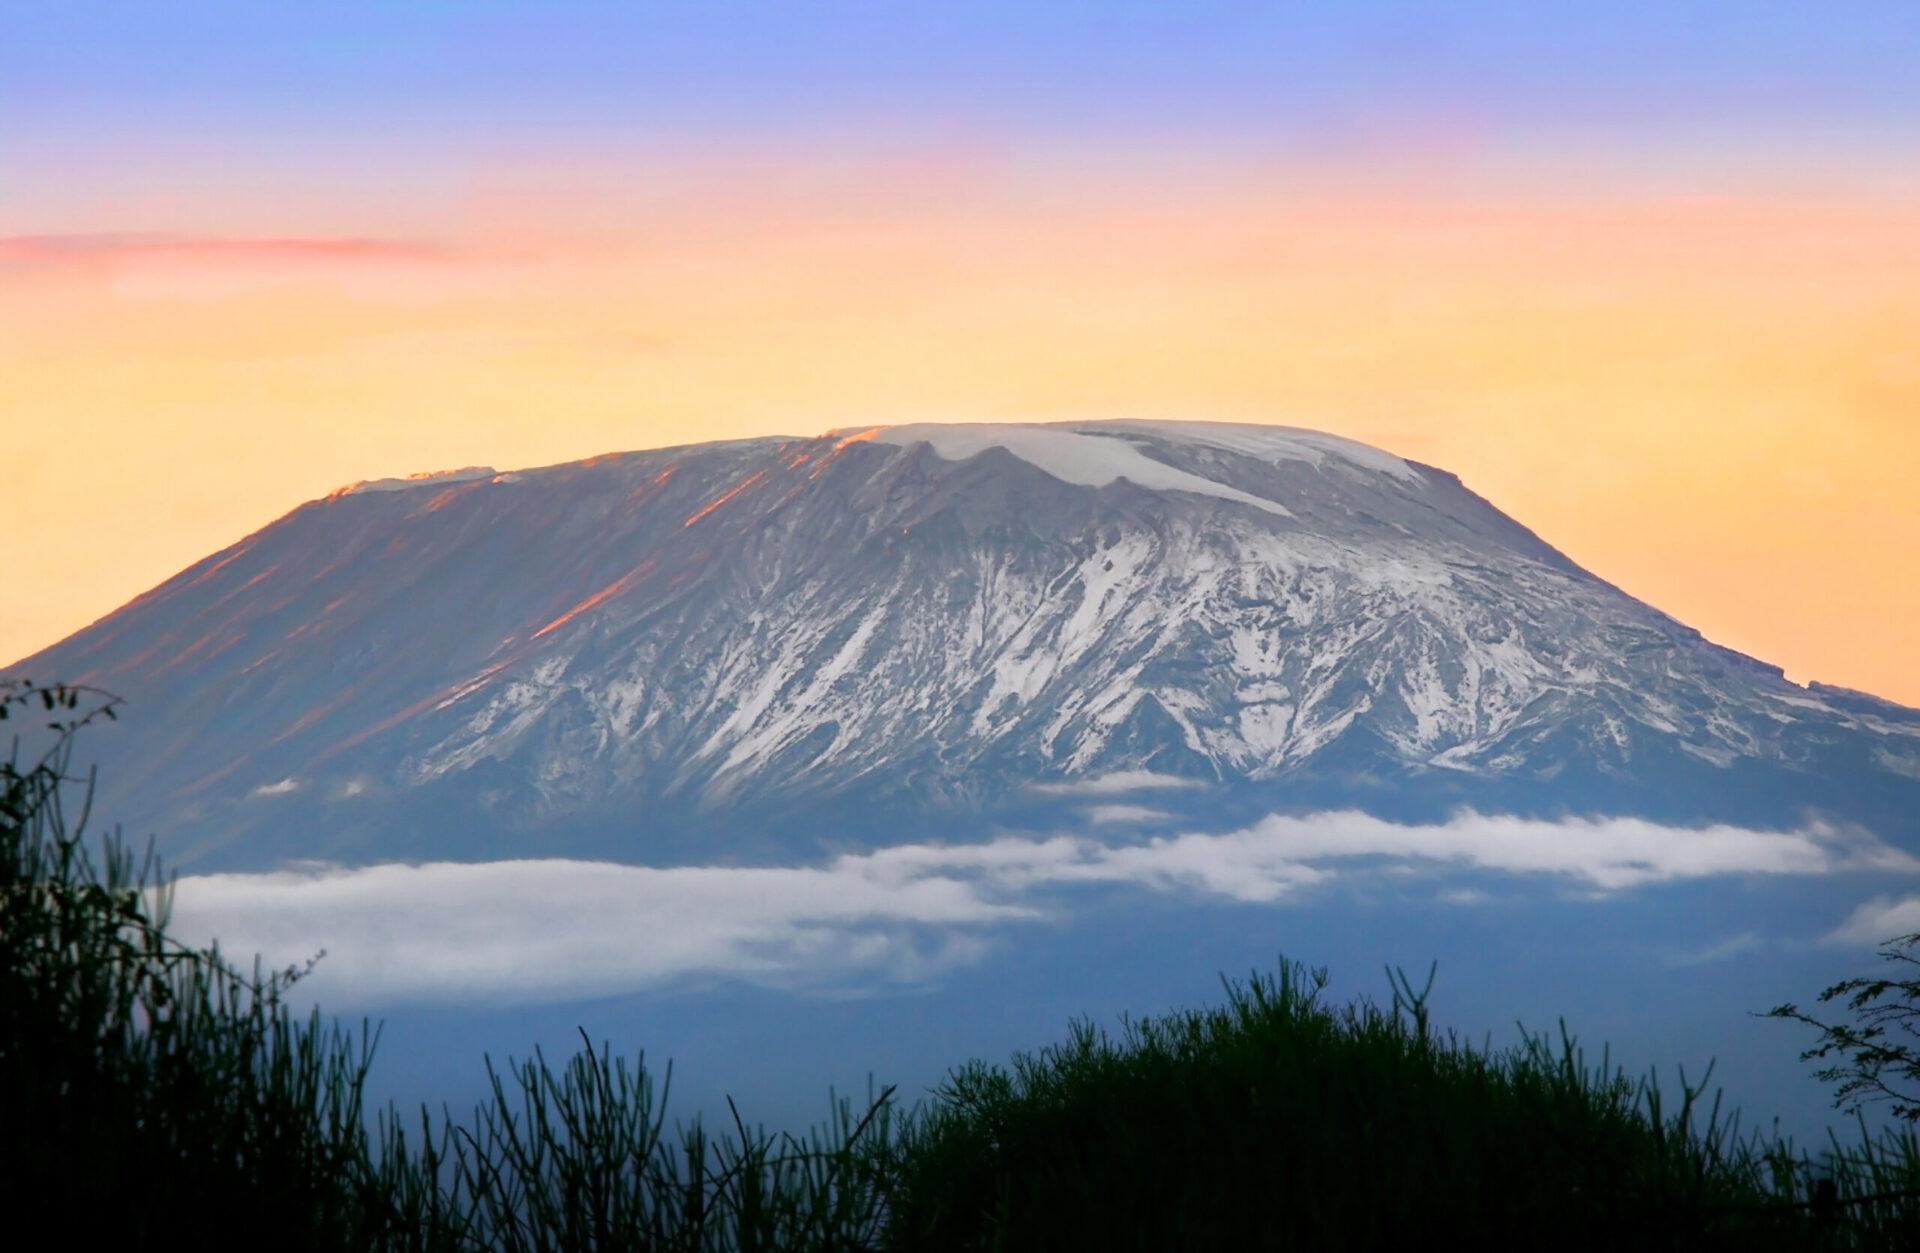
point(1278, 1122)
point(151, 1096)
point(147, 1089)
point(1871, 1061)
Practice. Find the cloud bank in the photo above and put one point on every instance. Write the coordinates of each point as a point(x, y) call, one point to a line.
point(555, 929)
point(1878, 921)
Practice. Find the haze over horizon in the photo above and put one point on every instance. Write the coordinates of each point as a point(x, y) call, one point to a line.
point(1647, 279)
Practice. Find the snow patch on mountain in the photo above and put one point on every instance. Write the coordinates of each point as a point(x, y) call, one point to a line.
point(1070, 456)
point(1274, 444)
point(437, 478)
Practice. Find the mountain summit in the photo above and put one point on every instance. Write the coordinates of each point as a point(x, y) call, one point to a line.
point(722, 649)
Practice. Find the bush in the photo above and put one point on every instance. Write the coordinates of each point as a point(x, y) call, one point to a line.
point(1277, 1122)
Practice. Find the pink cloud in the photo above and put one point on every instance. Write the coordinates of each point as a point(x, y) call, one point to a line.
point(96, 246)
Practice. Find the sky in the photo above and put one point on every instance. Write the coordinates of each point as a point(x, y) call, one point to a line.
point(1645, 275)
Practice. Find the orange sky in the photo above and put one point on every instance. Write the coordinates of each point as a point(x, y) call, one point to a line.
point(1715, 403)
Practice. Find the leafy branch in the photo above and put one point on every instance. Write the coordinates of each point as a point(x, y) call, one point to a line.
point(1869, 1060)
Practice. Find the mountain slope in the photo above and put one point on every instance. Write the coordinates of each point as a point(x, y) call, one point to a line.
point(727, 649)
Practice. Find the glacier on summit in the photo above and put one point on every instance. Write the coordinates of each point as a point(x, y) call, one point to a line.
point(885, 634)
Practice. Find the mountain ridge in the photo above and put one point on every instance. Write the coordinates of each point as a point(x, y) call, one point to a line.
point(788, 643)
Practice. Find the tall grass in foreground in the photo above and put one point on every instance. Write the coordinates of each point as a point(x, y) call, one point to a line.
point(580, 1159)
point(153, 1097)
point(147, 1090)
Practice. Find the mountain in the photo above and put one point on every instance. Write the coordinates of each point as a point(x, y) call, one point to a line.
point(731, 650)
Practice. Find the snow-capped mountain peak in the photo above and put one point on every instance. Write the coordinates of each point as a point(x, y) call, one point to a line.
point(814, 638)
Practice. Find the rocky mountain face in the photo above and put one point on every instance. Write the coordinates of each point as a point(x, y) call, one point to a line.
point(736, 650)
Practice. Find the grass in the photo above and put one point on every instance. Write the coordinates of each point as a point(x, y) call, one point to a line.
point(153, 1096)
point(1275, 1121)
point(144, 1086)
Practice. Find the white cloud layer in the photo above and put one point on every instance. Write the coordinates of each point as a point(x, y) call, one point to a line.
point(553, 929)
point(1119, 783)
point(533, 930)
point(1101, 814)
point(1879, 920)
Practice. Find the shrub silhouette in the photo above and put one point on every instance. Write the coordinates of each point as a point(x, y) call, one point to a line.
point(1277, 1121)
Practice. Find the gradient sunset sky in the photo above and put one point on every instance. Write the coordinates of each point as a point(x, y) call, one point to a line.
point(1646, 275)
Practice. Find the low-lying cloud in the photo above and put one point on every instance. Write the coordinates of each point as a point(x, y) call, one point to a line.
point(554, 929)
point(1878, 921)
point(1119, 783)
point(1102, 814)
